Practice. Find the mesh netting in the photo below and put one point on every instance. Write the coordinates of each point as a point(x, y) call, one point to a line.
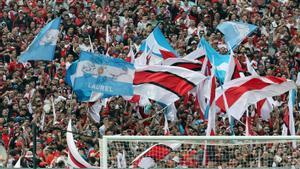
point(204, 154)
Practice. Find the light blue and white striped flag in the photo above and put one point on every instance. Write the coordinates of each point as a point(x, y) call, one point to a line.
point(223, 65)
point(102, 74)
point(235, 32)
point(82, 95)
point(43, 46)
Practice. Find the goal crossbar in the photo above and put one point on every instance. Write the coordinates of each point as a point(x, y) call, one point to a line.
point(131, 138)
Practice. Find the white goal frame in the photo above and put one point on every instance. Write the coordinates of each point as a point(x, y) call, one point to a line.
point(106, 139)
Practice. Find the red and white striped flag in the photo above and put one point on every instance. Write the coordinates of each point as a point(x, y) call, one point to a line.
point(199, 55)
point(155, 153)
point(242, 92)
point(264, 107)
point(74, 158)
point(165, 84)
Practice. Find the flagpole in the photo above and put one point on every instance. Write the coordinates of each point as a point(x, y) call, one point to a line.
point(34, 145)
point(247, 122)
point(54, 6)
point(226, 105)
point(53, 109)
point(107, 36)
point(92, 47)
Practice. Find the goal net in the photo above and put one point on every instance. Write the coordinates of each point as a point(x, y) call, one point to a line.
point(200, 152)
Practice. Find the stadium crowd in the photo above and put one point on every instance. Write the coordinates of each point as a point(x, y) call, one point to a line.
point(26, 90)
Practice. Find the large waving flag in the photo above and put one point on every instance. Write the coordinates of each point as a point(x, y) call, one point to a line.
point(159, 47)
point(102, 74)
point(235, 32)
point(165, 84)
point(74, 158)
point(242, 92)
point(223, 65)
point(83, 95)
point(43, 46)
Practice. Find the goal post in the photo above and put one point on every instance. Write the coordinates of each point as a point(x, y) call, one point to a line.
point(200, 151)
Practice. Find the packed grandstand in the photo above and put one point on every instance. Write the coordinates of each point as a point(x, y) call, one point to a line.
point(40, 92)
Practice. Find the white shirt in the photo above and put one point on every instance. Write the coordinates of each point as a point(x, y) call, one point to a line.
point(83, 47)
point(102, 130)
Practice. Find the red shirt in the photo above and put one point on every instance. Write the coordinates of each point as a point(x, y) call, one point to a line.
point(5, 138)
point(49, 159)
point(189, 160)
point(13, 66)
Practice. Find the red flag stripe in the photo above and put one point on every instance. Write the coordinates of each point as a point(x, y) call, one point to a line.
point(234, 93)
point(167, 54)
point(237, 70)
point(75, 161)
point(259, 106)
point(158, 152)
point(190, 66)
point(135, 99)
point(201, 59)
point(169, 81)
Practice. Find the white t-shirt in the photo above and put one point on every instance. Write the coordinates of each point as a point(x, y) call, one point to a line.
point(102, 130)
